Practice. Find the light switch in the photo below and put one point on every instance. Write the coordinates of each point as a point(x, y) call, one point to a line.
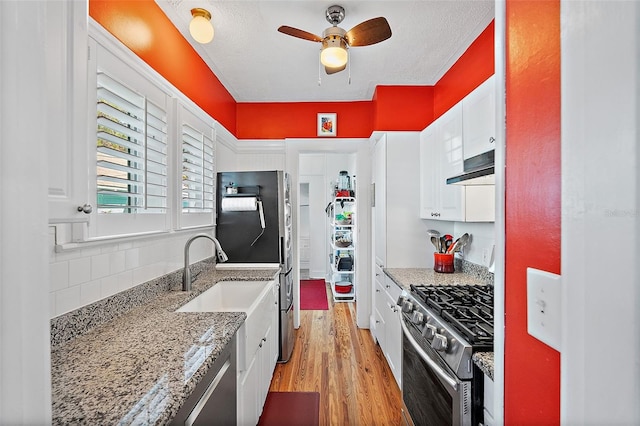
point(543, 307)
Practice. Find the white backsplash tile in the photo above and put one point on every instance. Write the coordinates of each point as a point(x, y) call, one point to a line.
point(79, 271)
point(100, 266)
point(81, 277)
point(58, 275)
point(52, 304)
point(117, 262)
point(67, 300)
point(125, 280)
point(132, 258)
point(90, 292)
point(109, 286)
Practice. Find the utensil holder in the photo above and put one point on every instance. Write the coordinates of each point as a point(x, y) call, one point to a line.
point(443, 262)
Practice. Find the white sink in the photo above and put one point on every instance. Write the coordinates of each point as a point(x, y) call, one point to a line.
point(228, 296)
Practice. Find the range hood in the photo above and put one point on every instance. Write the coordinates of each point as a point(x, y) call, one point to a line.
point(478, 170)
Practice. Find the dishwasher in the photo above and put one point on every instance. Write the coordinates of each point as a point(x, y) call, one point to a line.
point(213, 401)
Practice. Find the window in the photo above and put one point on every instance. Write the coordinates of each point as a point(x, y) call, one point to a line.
point(153, 156)
point(198, 180)
point(131, 136)
point(197, 136)
point(131, 151)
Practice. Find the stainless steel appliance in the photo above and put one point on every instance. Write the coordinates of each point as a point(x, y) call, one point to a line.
point(442, 327)
point(254, 227)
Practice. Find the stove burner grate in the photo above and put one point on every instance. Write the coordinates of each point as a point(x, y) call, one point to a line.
point(468, 309)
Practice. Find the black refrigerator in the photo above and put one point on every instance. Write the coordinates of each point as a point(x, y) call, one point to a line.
point(254, 228)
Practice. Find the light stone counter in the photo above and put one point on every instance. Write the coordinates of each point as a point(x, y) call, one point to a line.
point(404, 277)
point(139, 367)
point(484, 361)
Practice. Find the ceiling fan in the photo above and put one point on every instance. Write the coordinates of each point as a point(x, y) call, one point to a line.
point(335, 40)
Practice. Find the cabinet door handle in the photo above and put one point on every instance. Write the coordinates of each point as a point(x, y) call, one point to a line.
point(86, 209)
point(492, 139)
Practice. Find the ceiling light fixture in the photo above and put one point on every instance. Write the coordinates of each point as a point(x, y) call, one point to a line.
point(334, 52)
point(200, 27)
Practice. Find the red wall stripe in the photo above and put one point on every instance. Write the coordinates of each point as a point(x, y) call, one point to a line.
point(298, 119)
point(392, 108)
point(469, 71)
point(143, 27)
point(403, 107)
point(532, 369)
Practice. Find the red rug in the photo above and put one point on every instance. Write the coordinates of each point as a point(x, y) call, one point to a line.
point(313, 295)
point(291, 409)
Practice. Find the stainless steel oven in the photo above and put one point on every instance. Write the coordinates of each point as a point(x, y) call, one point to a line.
point(440, 385)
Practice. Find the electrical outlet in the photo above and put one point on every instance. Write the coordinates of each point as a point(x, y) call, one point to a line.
point(543, 307)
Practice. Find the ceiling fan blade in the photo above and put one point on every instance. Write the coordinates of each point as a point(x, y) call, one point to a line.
point(295, 32)
point(369, 32)
point(330, 70)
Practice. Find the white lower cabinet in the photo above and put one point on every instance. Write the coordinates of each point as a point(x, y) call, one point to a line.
point(488, 401)
point(387, 328)
point(257, 358)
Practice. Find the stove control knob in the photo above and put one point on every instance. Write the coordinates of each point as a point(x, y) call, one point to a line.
point(407, 306)
point(401, 300)
point(417, 318)
point(429, 331)
point(439, 343)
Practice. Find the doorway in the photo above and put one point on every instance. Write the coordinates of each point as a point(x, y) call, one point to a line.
point(318, 163)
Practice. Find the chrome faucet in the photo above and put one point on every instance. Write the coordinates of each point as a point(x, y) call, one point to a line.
point(186, 275)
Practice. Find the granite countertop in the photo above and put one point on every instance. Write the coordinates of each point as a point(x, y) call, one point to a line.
point(140, 367)
point(404, 277)
point(484, 360)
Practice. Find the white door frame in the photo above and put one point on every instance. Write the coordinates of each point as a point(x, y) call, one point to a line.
point(600, 128)
point(360, 147)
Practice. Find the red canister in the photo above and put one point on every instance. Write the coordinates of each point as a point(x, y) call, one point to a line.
point(443, 262)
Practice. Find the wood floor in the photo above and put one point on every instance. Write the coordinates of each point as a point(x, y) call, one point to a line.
point(345, 365)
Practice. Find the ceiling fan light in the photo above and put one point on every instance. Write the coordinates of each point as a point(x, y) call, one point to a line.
point(200, 27)
point(334, 53)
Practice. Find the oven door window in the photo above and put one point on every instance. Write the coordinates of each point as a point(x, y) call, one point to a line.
point(429, 399)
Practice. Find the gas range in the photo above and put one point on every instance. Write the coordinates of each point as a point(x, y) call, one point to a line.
point(455, 321)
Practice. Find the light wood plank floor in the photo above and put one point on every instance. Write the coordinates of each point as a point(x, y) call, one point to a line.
point(345, 365)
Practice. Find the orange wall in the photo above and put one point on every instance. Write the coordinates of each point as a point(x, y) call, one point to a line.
point(469, 71)
point(403, 107)
point(532, 205)
point(145, 29)
point(298, 119)
point(392, 107)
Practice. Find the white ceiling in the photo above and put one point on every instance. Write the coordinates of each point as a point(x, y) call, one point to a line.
point(256, 63)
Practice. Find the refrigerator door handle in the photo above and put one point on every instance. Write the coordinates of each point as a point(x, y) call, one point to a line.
point(283, 260)
point(261, 212)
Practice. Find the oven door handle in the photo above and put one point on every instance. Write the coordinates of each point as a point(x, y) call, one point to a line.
point(438, 370)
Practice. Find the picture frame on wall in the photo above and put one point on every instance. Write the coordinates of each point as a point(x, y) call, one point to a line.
point(327, 124)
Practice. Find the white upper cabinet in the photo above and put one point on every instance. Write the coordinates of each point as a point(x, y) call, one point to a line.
point(440, 158)
point(464, 131)
point(66, 59)
point(397, 240)
point(478, 119)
